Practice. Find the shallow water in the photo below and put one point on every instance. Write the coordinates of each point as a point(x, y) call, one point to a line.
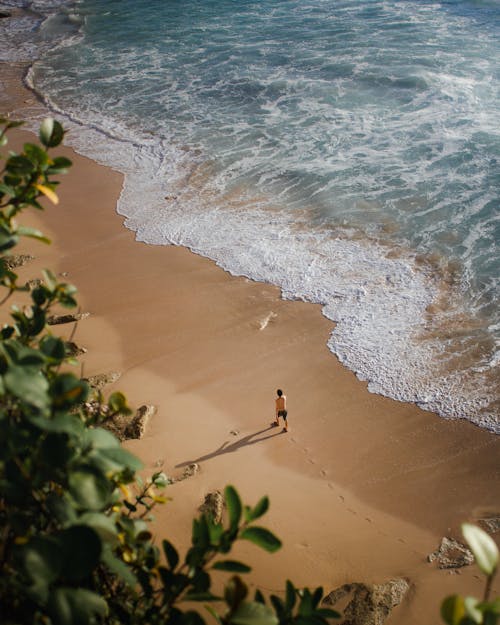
point(348, 152)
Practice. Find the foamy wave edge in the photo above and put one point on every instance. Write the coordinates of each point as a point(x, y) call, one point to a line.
point(377, 302)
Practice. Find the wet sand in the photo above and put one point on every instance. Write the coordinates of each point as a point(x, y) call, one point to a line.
point(362, 488)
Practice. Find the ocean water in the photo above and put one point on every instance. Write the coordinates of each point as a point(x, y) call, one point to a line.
point(347, 151)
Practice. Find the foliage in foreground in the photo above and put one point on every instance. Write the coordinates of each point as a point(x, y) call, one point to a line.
point(457, 610)
point(75, 546)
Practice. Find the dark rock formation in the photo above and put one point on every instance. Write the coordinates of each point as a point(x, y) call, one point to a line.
point(368, 604)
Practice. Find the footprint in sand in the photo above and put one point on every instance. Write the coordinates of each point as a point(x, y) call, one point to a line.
point(311, 461)
point(324, 472)
point(351, 511)
point(331, 486)
point(368, 519)
point(342, 498)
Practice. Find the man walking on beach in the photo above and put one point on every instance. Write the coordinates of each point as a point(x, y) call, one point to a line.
point(281, 409)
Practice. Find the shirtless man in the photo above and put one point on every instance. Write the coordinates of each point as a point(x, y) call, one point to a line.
point(281, 409)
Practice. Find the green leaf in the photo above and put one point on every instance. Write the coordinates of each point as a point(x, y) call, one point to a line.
point(123, 457)
point(103, 525)
point(253, 613)
point(170, 553)
point(32, 233)
point(42, 561)
point(482, 546)
point(262, 537)
point(90, 489)
point(53, 348)
point(261, 508)
point(18, 165)
point(46, 129)
point(7, 190)
point(201, 596)
point(453, 610)
point(326, 613)
point(70, 424)
point(99, 438)
point(471, 609)
point(36, 154)
point(67, 390)
point(232, 566)
point(59, 165)
point(81, 547)
point(76, 606)
point(290, 596)
point(49, 279)
point(234, 507)
point(51, 133)
point(117, 402)
point(30, 387)
point(235, 592)
point(7, 240)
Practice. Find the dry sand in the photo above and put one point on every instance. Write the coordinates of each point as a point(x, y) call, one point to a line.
point(362, 488)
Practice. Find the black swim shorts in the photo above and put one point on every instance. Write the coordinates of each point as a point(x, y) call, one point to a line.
point(282, 413)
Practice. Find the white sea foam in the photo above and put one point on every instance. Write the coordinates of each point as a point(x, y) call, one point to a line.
point(298, 187)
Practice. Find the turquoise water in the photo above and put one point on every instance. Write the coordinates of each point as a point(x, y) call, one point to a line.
point(346, 151)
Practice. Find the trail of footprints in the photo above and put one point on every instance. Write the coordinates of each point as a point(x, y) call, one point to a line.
point(324, 474)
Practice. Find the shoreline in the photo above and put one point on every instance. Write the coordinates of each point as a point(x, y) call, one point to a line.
point(362, 487)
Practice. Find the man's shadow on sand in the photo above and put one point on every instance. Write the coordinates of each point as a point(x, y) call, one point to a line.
point(228, 448)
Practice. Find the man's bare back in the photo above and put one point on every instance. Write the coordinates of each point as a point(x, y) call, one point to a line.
point(281, 409)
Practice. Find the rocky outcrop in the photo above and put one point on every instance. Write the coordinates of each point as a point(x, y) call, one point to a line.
point(124, 427)
point(17, 260)
point(213, 505)
point(137, 427)
point(73, 350)
point(451, 554)
point(55, 320)
point(368, 604)
point(99, 381)
point(490, 524)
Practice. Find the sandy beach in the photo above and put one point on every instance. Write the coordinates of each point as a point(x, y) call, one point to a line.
point(362, 488)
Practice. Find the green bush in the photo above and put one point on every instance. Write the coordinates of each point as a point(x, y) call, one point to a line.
point(457, 610)
point(75, 545)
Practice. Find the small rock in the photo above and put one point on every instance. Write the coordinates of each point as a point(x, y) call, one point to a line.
point(137, 427)
point(190, 470)
point(369, 604)
point(234, 432)
point(32, 284)
point(99, 381)
point(490, 524)
point(55, 320)
point(451, 554)
point(17, 260)
point(213, 505)
point(5, 14)
point(72, 349)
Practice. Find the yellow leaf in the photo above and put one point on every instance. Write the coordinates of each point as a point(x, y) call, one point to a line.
point(125, 491)
point(21, 540)
point(48, 193)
